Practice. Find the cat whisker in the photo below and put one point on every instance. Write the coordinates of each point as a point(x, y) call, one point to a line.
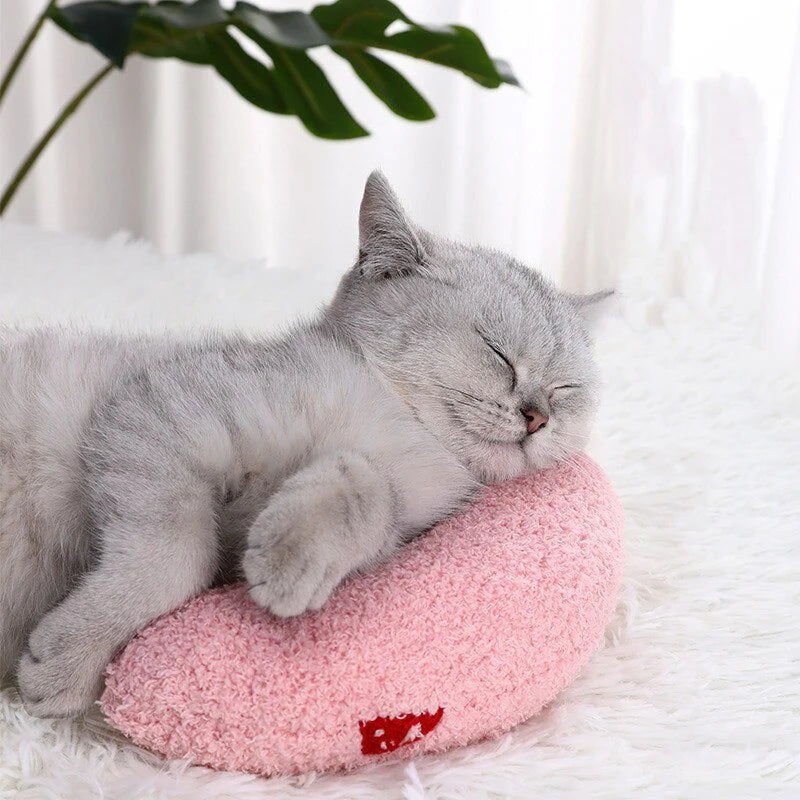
point(475, 403)
point(460, 391)
point(573, 463)
point(446, 397)
point(397, 376)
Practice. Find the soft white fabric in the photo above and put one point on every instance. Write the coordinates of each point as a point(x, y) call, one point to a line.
point(697, 691)
point(781, 296)
point(648, 133)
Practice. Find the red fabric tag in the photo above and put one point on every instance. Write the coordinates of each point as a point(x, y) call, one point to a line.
point(384, 734)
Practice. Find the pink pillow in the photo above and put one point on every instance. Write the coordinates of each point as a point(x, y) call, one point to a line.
point(469, 631)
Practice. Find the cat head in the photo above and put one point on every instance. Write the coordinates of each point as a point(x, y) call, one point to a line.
point(494, 360)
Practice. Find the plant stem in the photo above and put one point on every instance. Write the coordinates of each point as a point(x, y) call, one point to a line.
point(66, 112)
point(23, 48)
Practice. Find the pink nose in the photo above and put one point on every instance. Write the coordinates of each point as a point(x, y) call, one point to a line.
point(535, 419)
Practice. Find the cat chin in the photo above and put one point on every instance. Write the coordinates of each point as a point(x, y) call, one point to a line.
point(536, 463)
point(493, 463)
point(543, 454)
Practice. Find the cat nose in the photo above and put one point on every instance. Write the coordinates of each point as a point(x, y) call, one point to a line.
point(535, 419)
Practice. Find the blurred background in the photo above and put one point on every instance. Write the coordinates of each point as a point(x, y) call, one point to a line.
point(654, 139)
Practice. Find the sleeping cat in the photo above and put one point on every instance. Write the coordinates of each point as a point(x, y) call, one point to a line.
point(138, 471)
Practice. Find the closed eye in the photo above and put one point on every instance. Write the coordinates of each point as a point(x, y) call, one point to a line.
point(564, 387)
point(499, 353)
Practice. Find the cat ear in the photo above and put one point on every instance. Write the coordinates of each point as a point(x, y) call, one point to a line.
point(594, 307)
point(387, 244)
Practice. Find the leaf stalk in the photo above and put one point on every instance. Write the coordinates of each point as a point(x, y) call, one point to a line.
point(66, 112)
point(23, 49)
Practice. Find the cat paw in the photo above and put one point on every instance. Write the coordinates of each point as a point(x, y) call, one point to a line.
point(291, 569)
point(326, 521)
point(58, 674)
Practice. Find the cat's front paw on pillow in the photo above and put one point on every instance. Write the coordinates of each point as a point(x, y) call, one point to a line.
point(325, 522)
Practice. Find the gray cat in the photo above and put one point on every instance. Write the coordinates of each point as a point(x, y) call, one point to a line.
point(136, 472)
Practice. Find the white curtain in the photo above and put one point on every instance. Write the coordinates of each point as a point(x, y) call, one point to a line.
point(656, 138)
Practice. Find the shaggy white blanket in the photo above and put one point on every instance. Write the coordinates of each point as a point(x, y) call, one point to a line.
point(696, 693)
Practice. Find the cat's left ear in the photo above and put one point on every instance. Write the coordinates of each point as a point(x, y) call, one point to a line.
point(594, 307)
point(388, 246)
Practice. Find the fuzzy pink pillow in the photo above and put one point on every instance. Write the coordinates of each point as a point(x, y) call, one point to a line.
point(472, 629)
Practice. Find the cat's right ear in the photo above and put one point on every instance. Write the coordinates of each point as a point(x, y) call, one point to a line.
point(387, 244)
point(594, 307)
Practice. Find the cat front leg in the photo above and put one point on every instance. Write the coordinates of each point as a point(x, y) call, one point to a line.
point(335, 516)
point(153, 559)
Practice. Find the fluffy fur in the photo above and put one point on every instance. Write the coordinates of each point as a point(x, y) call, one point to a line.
point(139, 471)
point(693, 695)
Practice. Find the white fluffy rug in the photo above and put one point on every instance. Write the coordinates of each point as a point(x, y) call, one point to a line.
point(697, 691)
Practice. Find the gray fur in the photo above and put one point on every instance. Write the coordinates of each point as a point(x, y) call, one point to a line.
point(138, 471)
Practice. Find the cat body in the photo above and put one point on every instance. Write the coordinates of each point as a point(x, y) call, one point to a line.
point(138, 471)
point(157, 456)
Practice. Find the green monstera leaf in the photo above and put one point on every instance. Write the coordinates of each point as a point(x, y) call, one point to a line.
point(286, 80)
